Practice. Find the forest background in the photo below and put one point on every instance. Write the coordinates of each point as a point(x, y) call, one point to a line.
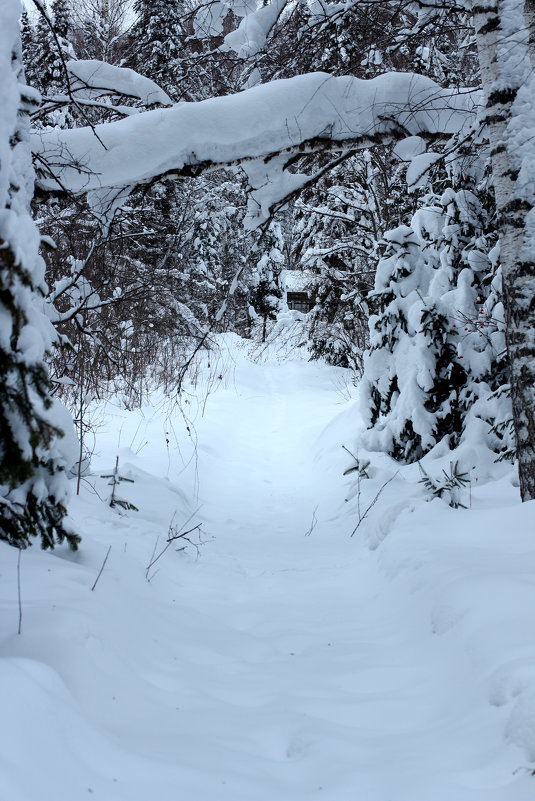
point(399, 240)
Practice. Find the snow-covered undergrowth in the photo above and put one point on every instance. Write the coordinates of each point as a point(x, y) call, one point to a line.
point(288, 659)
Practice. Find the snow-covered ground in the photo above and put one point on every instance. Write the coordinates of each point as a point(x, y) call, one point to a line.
point(288, 659)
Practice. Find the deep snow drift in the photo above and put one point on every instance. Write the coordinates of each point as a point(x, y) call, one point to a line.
point(287, 660)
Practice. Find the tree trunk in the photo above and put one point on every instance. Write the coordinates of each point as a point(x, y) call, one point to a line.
point(504, 50)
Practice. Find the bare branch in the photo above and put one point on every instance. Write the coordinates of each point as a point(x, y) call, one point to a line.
point(101, 569)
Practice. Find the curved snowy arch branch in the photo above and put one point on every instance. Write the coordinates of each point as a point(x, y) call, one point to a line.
point(261, 129)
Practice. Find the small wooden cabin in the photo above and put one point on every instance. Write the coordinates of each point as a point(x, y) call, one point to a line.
point(299, 286)
point(298, 301)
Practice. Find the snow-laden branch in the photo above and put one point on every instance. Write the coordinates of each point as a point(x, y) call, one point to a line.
point(261, 128)
point(92, 78)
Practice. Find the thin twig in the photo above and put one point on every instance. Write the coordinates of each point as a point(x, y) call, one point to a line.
point(359, 478)
point(173, 538)
point(173, 535)
point(101, 569)
point(356, 458)
point(313, 523)
point(359, 489)
point(151, 558)
point(374, 501)
point(18, 587)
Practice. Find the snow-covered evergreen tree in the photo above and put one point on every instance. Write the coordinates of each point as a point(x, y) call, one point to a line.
point(33, 453)
point(61, 18)
point(266, 291)
point(338, 227)
point(44, 55)
point(397, 372)
point(27, 38)
point(437, 350)
point(156, 38)
point(49, 51)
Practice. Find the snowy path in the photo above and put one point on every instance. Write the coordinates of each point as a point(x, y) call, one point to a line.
point(278, 666)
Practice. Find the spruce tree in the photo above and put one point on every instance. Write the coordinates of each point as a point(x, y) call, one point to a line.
point(61, 47)
point(61, 17)
point(397, 372)
point(27, 38)
point(53, 48)
point(266, 292)
point(101, 28)
point(156, 38)
point(339, 225)
point(437, 353)
point(44, 56)
point(33, 486)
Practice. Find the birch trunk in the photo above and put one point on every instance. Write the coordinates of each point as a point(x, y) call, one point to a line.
point(505, 50)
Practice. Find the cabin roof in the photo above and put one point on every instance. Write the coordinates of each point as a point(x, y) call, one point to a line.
point(298, 280)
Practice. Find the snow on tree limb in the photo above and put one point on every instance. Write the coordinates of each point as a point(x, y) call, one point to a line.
point(98, 78)
point(251, 35)
point(266, 124)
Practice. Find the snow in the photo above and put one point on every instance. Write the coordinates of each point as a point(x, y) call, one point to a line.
point(9, 94)
point(256, 125)
point(417, 169)
point(288, 660)
point(408, 148)
point(299, 280)
point(94, 78)
point(251, 35)
point(209, 19)
point(241, 8)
